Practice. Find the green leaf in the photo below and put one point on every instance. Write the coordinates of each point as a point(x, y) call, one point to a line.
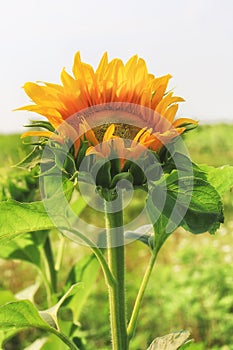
point(17, 218)
point(26, 248)
point(172, 341)
point(205, 212)
point(182, 200)
point(23, 314)
point(221, 178)
point(6, 296)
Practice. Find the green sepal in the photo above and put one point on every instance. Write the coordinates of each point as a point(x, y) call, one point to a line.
point(120, 177)
point(32, 159)
point(40, 124)
point(138, 175)
point(64, 161)
point(188, 126)
point(81, 153)
point(115, 166)
point(102, 173)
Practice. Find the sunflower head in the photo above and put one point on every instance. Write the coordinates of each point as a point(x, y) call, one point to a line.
point(118, 109)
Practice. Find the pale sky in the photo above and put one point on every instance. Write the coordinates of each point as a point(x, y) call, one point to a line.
point(191, 39)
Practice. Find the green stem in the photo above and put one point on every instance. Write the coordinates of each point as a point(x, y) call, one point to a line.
point(115, 249)
point(60, 253)
point(50, 262)
point(135, 313)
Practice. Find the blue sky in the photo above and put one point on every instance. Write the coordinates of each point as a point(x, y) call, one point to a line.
point(192, 40)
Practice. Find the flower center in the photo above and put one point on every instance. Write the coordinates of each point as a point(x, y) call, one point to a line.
point(125, 131)
point(128, 119)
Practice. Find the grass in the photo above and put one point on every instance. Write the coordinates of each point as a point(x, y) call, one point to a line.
point(192, 284)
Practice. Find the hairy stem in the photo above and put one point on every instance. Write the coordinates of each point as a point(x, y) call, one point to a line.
point(115, 250)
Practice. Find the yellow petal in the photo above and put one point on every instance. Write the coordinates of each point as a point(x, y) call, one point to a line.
point(67, 79)
point(159, 87)
point(166, 102)
point(47, 134)
point(182, 121)
point(139, 134)
point(86, 130)
point(109, 133)
point(171, 112)
point(102, 65)
point(53, 116)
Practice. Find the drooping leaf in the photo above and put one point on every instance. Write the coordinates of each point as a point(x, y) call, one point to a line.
point(23, 314)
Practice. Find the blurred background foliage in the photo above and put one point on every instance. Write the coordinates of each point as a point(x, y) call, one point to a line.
point(192, 283)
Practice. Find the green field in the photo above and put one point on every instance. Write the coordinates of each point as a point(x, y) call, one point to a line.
point(192, 283)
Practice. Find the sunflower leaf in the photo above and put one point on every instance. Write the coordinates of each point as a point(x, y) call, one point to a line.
point(221, 178)
point(17, 218)
point(180, 199)
point(23, 314)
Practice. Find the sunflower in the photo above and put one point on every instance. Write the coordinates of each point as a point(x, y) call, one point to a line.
point(117, 101)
